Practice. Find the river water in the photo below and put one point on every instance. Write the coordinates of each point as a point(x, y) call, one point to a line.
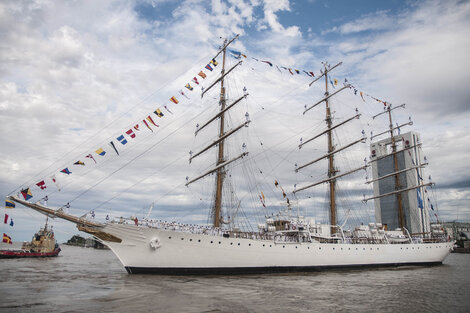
point(88, 280)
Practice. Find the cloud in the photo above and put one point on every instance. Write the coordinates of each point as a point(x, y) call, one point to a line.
point(75, 75)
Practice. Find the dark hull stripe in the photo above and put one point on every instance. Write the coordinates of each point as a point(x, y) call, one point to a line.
point(256, 270)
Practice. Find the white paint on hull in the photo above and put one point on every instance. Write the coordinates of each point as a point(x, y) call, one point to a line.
point(187, 250)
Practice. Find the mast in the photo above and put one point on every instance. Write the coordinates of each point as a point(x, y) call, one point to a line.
point(220, 154)
point(401, 218)
point(331, 164)
point(398, 188)
point(332, 171)
point(221, 162)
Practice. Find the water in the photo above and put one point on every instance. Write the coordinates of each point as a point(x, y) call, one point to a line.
point(88, 280)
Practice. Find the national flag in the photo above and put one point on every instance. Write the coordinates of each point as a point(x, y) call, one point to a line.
point(183, 94)
point(209, 67)
point(90, 157)
point(41, 185)
point(235, 54)
point(11, 222)
point(159, 113)
point(130, 133)
point(66, 171)
point(202, 74)
point(313, 75)
point(420, 200)
point(174, 100)
point(7, 239)
point(149, 118)
point(100, 151)
point(297, 71)
point(136, 127)
point(9, 204)
point(195, 80)
point(308, 74)
point(122, 139)
point(54, 180)
point(111, 143)
point(79, 163)
point(166, 108)
point(267, 62)
point(189, 87)
point(5, 220)
point(145, 122)
point(214, 62)
point(26, 193)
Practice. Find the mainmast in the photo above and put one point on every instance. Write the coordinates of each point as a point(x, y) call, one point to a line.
point(219, 169)
point(331, 164)
point(332, 170)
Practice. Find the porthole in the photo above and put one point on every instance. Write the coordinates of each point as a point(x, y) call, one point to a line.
point(249, 245)
point(190, 239)
point(212, 241)
point(199, 240)
point(182, 238)
point(169, 237)
point(296, 247)
point(220, 242)
point(238, 243)
point(231, 243)
point(264, 245)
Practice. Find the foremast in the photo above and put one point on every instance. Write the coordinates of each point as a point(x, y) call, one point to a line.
point(221, 162)
point(332, 170)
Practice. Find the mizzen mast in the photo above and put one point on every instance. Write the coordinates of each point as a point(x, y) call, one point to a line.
point(398, 188)
point(219, 169)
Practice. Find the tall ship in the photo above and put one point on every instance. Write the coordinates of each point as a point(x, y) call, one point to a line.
point(284, 240)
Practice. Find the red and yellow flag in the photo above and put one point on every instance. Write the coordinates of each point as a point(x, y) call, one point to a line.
point(174, 100)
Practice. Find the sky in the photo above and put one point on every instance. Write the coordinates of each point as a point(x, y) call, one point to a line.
point(76, 74)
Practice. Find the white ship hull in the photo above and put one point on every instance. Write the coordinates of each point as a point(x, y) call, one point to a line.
point(188, 253)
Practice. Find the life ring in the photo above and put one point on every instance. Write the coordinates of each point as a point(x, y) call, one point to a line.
point(293, 227)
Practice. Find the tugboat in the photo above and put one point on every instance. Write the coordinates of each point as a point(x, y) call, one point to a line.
point(43, 244)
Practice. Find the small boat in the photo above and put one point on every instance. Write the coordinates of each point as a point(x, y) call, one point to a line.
point(43, 244)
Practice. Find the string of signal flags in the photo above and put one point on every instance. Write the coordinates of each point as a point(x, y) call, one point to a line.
point(333, 81)
point(150, 120)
